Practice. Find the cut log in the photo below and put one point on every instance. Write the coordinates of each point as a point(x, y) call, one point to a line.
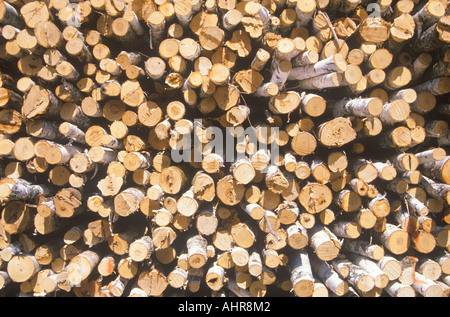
point(128, 201)
point(324, 242)
point(196, 247)
point(336, 132)
point(395, 239)
point(301, 275)
point(335, 63)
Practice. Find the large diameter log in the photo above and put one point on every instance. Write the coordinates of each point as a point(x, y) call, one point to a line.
point(315, 197)
point(374, 30)
point(439, 169)
point(336, 132)
point(67, 202)
point(434, 36)
point(81, 266)
point(16, 217)
point(395, 239)
point(128, 201)
point(395, 111)
point(426, 287)
point(10, 16)
point(324, 242)
point(22, 267)
point(39, 101)
point(172, 179)
point(229, 191)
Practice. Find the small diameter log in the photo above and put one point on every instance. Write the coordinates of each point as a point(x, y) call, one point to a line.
point(331, 80)
point(197, 255)
point(207, 222)
point(437, 86)
point(428, 14)
point(243, 235)
point(275, 180)
point(59, 154)
point(397, 289)
point(380, 278)
point(348, 200)
point(385, 171)
point(72, 132)
point(301, 274)
point(328, 276)
point(187, 205)
point(99, 154)
point(432, 155)
point(364, 248)
point(358, 277)
point(23, 191)
point(67, 202)
point(78, 50)
point(10, 250)
point(313, 105)
point(261, 58)
point(346, 229)
point(391, 266)
point(305, 58)
point(379, 206)
point(434, 189)
point(215, 277)
point(420, 65)
point(335, 63)
point(44, 130)
point(304, 12)
point(429, 268)
point(243, 171)
point(297, 236)
point(133, 161)
point(365, 170)
point(177, 278)
point(363, 107)
point(408, 94)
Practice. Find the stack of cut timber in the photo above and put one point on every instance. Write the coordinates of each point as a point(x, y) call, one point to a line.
point(99, 101)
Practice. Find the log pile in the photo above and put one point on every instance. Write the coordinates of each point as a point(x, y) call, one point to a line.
point(97, 96)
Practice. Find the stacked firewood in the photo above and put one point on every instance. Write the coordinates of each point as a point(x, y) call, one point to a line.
point(97, 96)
